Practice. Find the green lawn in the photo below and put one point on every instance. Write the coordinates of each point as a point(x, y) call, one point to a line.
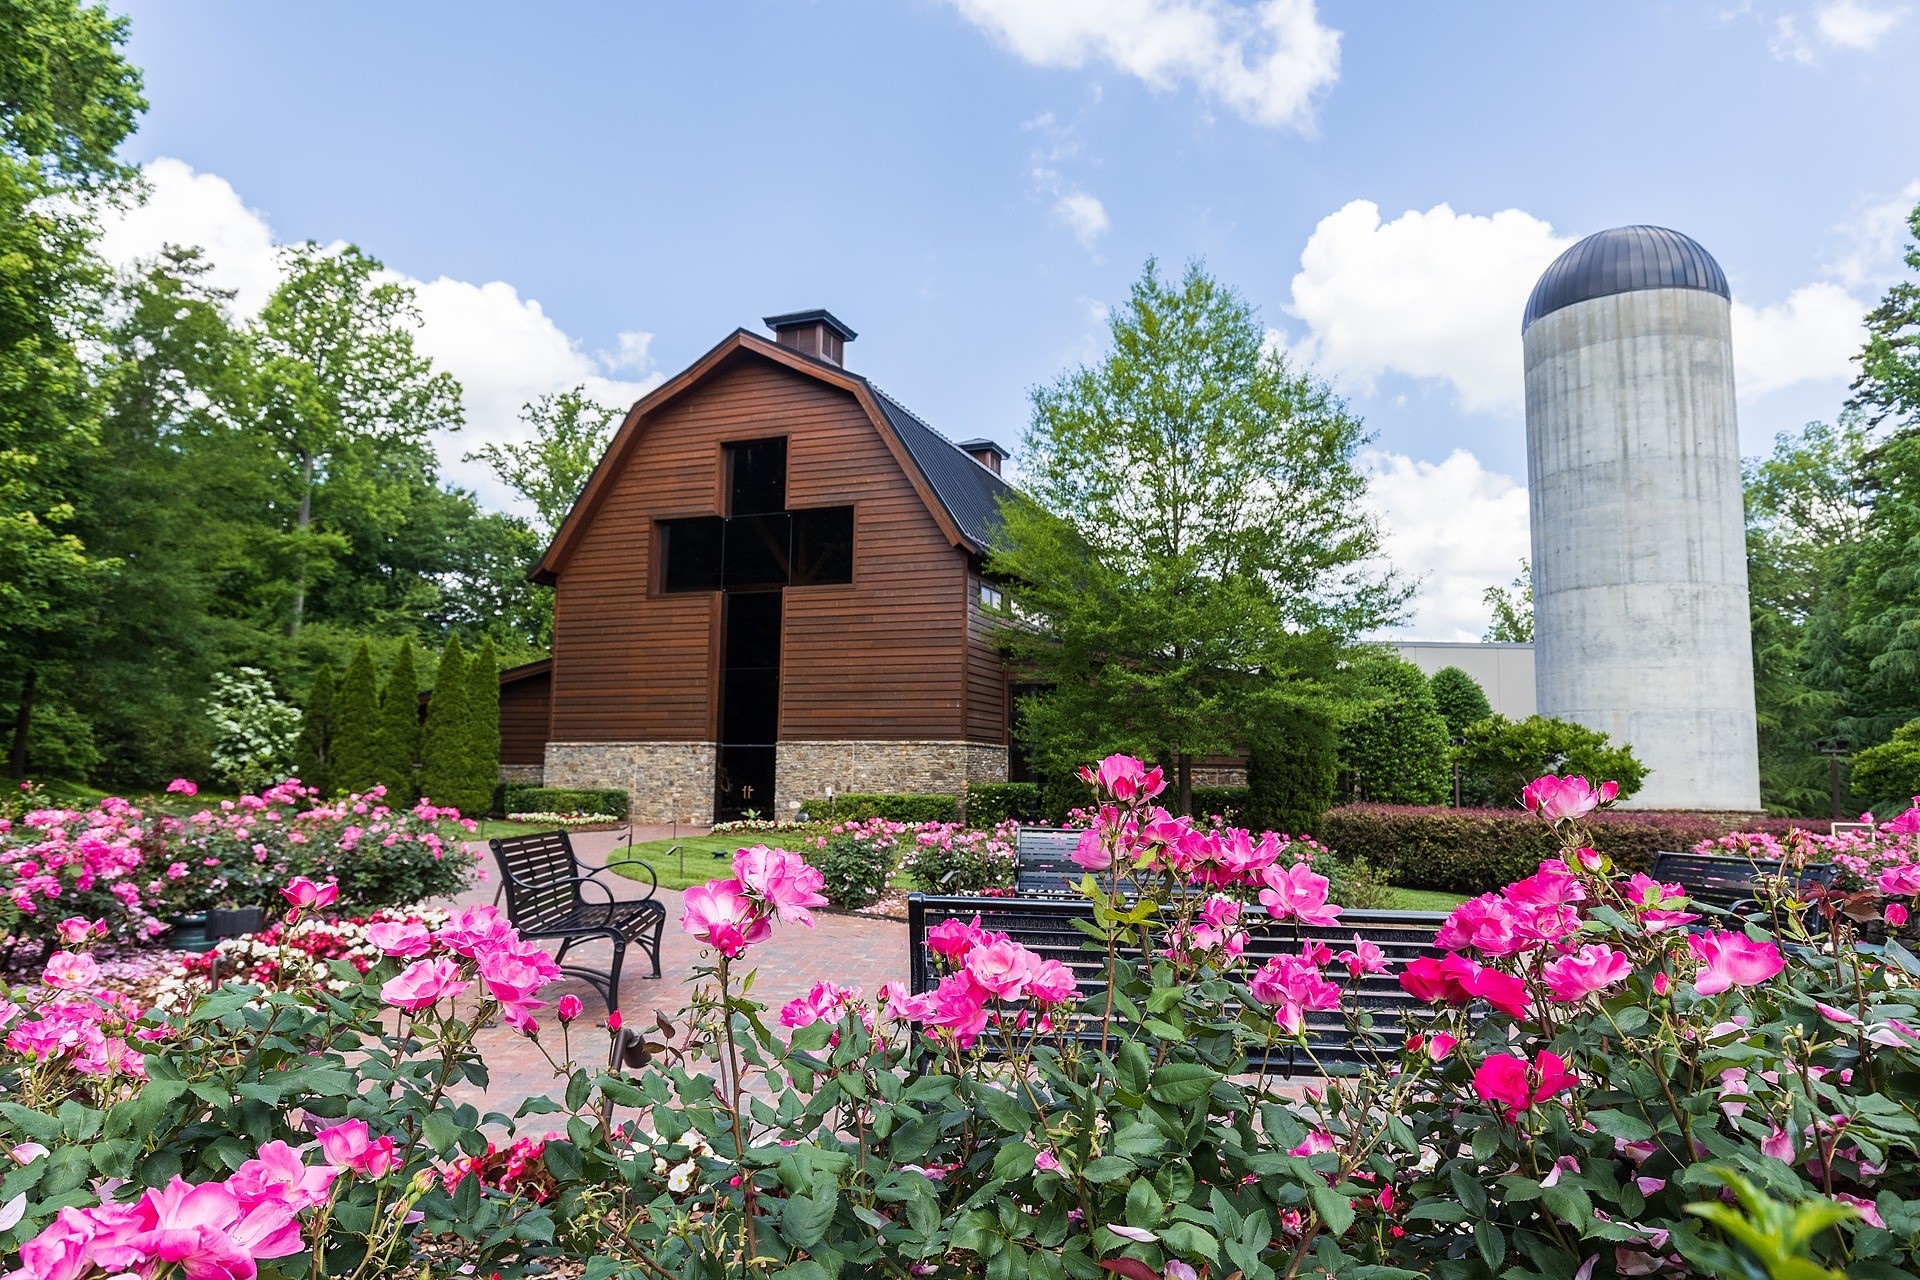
point(1423, 900)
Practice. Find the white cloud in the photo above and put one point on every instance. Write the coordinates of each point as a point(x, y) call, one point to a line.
point(1853, 25)
point(1084, 215)
point(1811, 336)
point(1456, 525)
point(503, 349)
point(188, 208)
point(1268, 62)
point(1429, 295)
point(1875, 239)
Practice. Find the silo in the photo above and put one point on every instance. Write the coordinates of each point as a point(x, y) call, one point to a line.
point(1639, 545)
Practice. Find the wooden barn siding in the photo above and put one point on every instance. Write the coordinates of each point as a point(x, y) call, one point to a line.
point(877, 659)
point(986, 678)
point(524, 707)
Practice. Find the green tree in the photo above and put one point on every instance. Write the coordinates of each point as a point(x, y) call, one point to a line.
point(482, 762)
point(1292, 772)
point(67, 100)
point(568, 433)
point(1191, 514)
point(1460, 699)
point(1393, 743)
point(1889, 774)
point(444, 739)
point(312, 752)
point(343, 393)
point(397, 742)
point(1512, 609)
point(1806, 520)
point(355, 763)
point(1502, 756)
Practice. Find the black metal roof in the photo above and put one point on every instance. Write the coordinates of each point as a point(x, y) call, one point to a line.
point(970, 493)
point(1623, 260)
point(818, 315)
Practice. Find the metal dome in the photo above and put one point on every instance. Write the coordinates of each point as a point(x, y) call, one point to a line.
point(1621, 261)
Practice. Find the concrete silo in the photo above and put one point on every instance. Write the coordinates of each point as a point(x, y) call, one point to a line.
point(1639, 547)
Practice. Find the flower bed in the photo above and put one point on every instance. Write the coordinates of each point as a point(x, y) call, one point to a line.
point(131, 866)
point(1611, 1080)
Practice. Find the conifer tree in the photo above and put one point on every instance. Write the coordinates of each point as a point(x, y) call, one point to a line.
point(1460, 699)
point(443, 743)
point(397, 742)
point(312, 754)
point(482, 758)
point(356, 726)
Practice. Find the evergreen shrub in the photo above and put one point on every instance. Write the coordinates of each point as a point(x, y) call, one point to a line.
point(1394, 747)
point(356, 727)
point(1478, 850)
point(906, 807)
point(1292, 769)
point(519, 797)
point(1459, 698)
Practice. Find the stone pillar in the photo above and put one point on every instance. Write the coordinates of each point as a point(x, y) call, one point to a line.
point(667, 781)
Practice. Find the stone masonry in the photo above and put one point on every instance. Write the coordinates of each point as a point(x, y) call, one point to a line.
point(670, 782)
point(530, 774)
point(804, 770)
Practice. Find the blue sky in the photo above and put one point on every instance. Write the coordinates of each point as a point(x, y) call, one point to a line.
point(599, 192)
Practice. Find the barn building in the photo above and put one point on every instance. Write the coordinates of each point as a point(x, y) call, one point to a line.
point(771, 585)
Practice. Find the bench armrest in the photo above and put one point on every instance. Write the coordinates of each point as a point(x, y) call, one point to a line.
point(575, 881)
point(653, 877)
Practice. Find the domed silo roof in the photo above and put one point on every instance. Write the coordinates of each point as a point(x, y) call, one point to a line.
point(1621, 261)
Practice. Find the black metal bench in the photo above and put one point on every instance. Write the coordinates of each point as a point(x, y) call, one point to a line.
point(1043, 863)
point(544, 883)
point(1046, 926)
point(1730, 882)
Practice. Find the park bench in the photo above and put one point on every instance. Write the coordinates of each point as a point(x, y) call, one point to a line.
point(1046, 926)
point(1043, 865)
point(545, 884)
point(1729, 883)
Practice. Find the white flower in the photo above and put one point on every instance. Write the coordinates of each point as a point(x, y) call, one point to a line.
point(681, 1178)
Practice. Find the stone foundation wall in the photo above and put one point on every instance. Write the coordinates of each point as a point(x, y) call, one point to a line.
point(529, 774)
point(804, 770)
point(668, 781)
point(1216, 776)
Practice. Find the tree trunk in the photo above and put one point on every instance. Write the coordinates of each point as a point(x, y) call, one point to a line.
point(1183, 776)
point(22, 722)
point(304, 519)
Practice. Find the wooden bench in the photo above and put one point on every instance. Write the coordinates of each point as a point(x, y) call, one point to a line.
point(545, 885)
point(1043, 865)
point(1045, 926)
point(1728, 882)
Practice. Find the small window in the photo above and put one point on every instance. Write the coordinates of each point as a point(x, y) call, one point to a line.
point(690, 551)
point(822, 546)
point(991, 598)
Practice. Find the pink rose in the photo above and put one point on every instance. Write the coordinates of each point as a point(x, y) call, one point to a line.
point(1297, 893)
point(720, 914)
point(305, 895)
point(783, 880)
point(77, 931)
point(422, 984)
point(1125, 779)
point(954, 938)
point(407, 939)
point(182, 787)
point(349, 1146)
point(1588, 971)
point(1732, 960)
point(1561, 799)
point(67, 971)
point(1052, 983)
point(1002, 968)
point(1508, 1081)
point(568, 1009)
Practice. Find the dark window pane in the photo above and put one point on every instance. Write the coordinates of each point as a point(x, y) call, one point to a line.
point(822, 546)
point(691, 550)
point(750, 705)
point(753, 631)
point(757, 551)
point(757, 477)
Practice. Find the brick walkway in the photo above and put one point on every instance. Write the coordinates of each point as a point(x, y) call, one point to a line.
point(862, 951)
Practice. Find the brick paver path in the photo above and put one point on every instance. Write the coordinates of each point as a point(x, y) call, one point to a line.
point(861, 951)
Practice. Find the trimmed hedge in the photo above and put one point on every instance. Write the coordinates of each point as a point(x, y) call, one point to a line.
point(1478, 850)
point(523, 798)
point(991, 803)
point(894, 808)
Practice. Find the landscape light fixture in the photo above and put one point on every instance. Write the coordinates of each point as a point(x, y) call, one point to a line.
point(1833, 749)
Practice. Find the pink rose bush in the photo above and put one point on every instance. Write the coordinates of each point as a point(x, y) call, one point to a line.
point(1600, 1077)
point(130, 867)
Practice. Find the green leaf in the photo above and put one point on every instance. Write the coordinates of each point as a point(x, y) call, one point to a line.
point(1004, 1109)
point(1190, 1239)
point(1491, 1242)
point(1334, 1209)
point(1618, 1124)
point(1183, 1082)
point(1434, 1209)
point(1568, 1203)
point(803, 1220)
point(1107, 1168)
point(1145, 1208)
